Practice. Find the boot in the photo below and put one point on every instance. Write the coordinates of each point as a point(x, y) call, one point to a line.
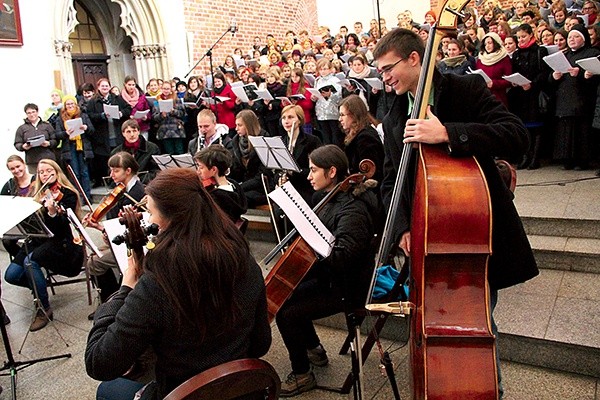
point(535, 162)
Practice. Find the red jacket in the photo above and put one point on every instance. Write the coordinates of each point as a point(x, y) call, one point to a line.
point(495, 72)
point(225, 110)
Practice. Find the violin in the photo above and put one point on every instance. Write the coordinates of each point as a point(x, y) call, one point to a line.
point(210, 184)
point(108, 202)
point(53, 195)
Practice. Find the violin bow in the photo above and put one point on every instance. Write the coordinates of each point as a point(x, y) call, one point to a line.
point(87, 201)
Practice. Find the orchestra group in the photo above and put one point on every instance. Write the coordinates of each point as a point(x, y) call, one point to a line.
point(197, 299)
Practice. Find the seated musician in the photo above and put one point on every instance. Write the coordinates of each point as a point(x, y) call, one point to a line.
point(140, 148)
point(200, 300)
point(209, 132)
point(345, 274)
point(213, 163)
point(57, 254)
point(123, 169)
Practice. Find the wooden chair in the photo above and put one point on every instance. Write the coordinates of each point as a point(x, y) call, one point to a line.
point(229, 381)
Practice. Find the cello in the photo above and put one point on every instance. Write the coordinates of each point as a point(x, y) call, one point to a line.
point(299, 257)
point(452, 347)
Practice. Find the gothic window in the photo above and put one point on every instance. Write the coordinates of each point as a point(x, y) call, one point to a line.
point(86, 37)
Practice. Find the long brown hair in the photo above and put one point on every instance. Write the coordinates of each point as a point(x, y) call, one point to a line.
point(60, 178)
point(200, 257)
point(357, 109)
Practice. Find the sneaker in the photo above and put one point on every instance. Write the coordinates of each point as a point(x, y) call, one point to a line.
point(41, 320)
point(297, 383)
point(318, 356)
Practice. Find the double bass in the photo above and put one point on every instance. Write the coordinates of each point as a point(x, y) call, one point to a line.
point(452, 346)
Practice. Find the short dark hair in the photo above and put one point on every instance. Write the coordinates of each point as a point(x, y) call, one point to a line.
point(400, 41)
point(329, 156)
point(124, 160)
point(130, 123)
point(215, 155)
point(31, 106)
point(528, 13)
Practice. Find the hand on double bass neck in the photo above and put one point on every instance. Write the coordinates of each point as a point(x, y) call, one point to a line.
point(430, 130)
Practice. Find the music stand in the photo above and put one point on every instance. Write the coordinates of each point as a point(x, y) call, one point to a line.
point(19, 220)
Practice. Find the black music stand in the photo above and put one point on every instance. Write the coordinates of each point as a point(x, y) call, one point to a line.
point(26, 228)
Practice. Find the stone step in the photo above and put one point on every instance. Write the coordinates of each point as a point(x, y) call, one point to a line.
point(565, 227)
point(551, 322)
point(566, 253)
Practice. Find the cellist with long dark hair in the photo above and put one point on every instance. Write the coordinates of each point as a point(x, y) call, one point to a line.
point(482, 128)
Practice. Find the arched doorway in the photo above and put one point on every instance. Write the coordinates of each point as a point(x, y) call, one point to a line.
point(111, 37)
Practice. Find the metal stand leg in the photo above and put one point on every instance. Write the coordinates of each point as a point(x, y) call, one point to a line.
point(38, 306)
point(13, 366)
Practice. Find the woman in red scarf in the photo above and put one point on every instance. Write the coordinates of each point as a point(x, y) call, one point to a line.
point(139, 104)
point(76, 148)
point(524, 100)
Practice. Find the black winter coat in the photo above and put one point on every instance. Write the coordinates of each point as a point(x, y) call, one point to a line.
point(486, 130)
point(366, 145)
point(61, 134)
point(95, 110)
point(305, 144)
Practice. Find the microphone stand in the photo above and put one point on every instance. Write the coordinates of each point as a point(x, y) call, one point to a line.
point(210, 63)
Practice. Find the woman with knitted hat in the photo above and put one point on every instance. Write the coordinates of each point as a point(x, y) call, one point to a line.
point(575, 101)
point(495, 62)
point(76, 148)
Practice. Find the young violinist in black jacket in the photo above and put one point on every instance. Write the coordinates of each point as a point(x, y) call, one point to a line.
point(340, 281)
point(58, 254)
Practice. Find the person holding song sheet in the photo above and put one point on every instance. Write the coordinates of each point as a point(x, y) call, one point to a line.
point(494, 61)
point(106, 136)
point(224, 110)
point(141, 109)
point(197, 299)
point(58, 254)
point(35, 137)
point(340, 281)
point(170, 133)
point(75, 128)
point(575, 101)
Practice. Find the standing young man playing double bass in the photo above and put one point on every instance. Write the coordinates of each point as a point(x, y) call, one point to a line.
point(482, 128)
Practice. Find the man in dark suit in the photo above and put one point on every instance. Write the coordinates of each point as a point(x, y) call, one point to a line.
point(483, 128)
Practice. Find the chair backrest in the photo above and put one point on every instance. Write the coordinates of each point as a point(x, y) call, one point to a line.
point(230, 380)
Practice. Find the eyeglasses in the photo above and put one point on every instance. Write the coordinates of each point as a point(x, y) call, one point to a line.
point(388, 68)
point(588, 8)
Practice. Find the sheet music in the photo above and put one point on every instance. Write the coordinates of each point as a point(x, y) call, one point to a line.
point(591, 64)
point(304, 219)
point(114, 228)
point(165, 105)
point(77, 126)
point(517, 79)
point(184, 160)
point(140, 114)
point(164, 161)
point(81, 230)
point(481, 73)
point(240, 93)
point(558, 62)
point(273, 153)
point(13, 210)
point(111, 111)
point(315, 92)
point(36, 141)
point(375, 83)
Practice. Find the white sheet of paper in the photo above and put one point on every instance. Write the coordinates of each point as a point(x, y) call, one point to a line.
point(552, 48)
point(77, 126)
point(240, 93)
point(315, 92)
point(375, 83)
point(114, 228)
point(140, 114)
point(111, 111)
point(304, 219)
point(13, 210)
point(481, 73)
point(310, 78)
point(517, 79)
point(74, 220)
point(165, 105)
point(36, 141)
point(558, 62)
point(591, 64)
point(264, 94)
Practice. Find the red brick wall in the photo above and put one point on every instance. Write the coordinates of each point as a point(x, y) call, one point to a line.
point(208, 19)
point(436, 3)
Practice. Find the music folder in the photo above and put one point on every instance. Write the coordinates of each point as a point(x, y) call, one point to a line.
point(19, 219)
point(273, 153)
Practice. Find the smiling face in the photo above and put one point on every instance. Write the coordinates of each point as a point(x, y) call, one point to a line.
point(401, 75)
point(16, 168)
point(523, 38)
point(32, 115)
point(103, 88)
point(560, 41)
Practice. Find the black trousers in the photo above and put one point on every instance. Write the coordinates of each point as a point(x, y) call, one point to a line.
point(311, 300)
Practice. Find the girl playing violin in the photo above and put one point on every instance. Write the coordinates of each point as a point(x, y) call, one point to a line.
point(199, 302)
point(123, 169)
point(213, 163)
point(58, 254)
point(340, 281)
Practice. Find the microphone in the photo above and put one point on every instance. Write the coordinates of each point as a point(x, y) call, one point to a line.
point(233, 27)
